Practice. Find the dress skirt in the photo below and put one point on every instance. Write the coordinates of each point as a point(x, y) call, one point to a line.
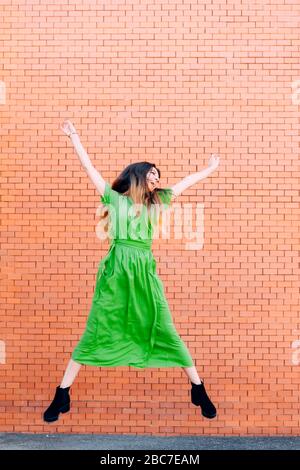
point(130, 323)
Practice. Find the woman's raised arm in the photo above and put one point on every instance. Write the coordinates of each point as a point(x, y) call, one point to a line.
point(99, 182)
point(189, 180)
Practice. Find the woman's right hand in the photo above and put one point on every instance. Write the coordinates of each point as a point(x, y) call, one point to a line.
point(68, 128)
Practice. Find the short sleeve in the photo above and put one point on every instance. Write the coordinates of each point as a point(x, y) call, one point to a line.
point(110, 196)
point(166, 195)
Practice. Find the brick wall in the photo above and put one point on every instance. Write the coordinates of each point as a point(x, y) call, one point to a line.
point(171, 83)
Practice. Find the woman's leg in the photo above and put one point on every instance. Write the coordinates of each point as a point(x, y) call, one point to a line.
point(70, 374)
point(61, 401)
point(192, 374)
point(199, 395)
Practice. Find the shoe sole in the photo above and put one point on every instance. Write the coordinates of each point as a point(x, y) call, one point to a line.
point(209, 416)
point(203, 413)
point(64, 409)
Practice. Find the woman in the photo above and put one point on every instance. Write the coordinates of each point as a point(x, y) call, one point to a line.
point(130, 322)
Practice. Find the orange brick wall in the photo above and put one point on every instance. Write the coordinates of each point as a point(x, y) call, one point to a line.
point(171, 83)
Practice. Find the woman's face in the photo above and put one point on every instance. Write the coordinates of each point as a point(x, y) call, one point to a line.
point(152, 179)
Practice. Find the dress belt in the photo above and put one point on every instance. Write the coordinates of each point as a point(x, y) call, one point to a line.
point(145, 244)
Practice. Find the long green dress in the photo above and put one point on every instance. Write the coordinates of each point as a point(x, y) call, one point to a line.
point(130, 323)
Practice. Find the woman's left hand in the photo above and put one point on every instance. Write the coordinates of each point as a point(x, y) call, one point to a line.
point(214, 161)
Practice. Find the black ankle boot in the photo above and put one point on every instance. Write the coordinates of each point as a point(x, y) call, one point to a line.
point(199, 397)
point(60, 404)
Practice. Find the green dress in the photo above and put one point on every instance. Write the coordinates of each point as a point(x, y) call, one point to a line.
point(130, 323)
